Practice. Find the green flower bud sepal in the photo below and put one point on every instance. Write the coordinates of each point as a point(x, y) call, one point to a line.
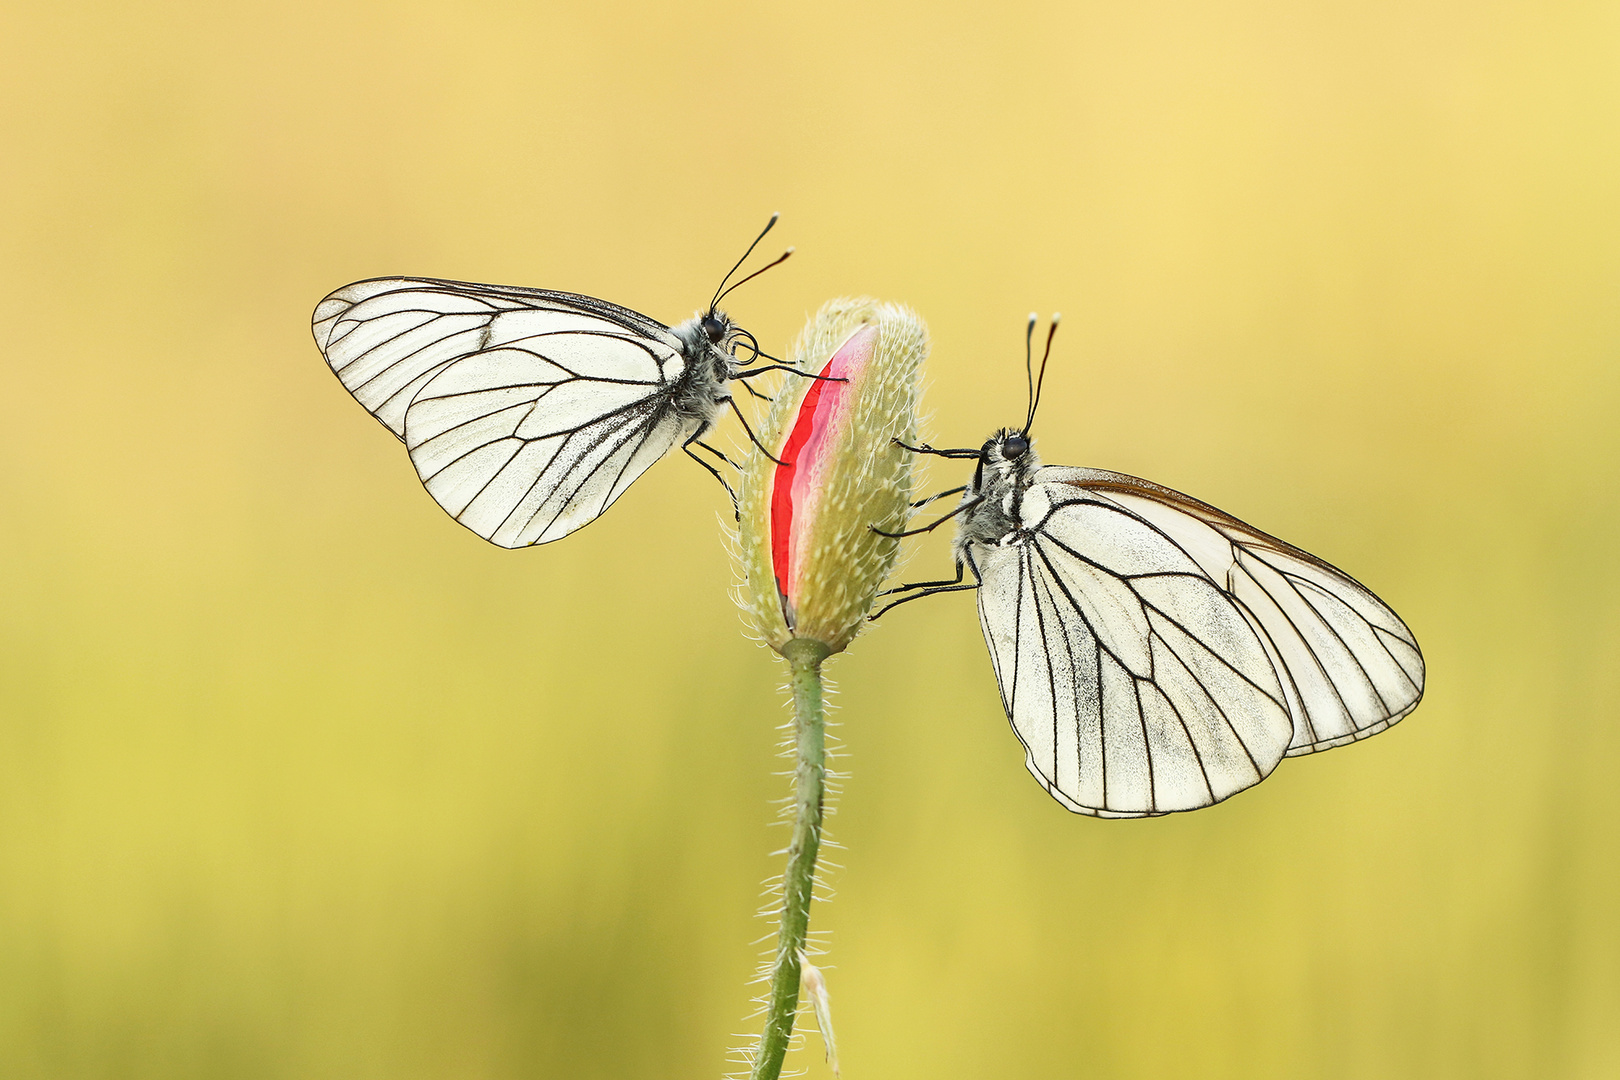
point(811, 559)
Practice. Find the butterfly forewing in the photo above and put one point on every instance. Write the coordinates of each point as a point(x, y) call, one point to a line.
point(526, 412)
point(1136, 686)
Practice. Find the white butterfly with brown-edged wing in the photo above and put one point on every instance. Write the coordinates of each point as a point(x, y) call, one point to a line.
point(527, 412)
point(1156, 654)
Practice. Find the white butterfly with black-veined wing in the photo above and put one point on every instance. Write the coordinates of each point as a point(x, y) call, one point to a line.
point(527, 412)
point(1156, 654)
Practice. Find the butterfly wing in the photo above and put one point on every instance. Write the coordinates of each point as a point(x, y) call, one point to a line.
point(1156, 654)
point(1350, 667)
point(526, 412)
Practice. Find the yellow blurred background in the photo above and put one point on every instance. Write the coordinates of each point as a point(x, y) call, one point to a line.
point(299, 779)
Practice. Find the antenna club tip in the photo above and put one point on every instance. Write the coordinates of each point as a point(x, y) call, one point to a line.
point(1034, 318)
point(1057, 317)
point(774, 215)
point(788, 252)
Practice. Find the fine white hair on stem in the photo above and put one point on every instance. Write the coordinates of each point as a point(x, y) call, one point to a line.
point(815, 885)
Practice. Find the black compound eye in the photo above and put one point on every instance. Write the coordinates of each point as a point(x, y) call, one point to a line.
point(713, 329)
point(1014, 447)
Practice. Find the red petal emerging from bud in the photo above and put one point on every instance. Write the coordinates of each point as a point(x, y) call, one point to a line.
point(830, 478)
point(794, 488)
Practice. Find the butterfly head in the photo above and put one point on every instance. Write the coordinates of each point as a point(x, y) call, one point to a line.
point(990, 509)
point(715, 334)
point(717, 327)
point(1008, 452)
point(709, 341)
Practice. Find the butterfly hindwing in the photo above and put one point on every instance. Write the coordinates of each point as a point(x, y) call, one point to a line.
point(1349, 666)
point(516, 491)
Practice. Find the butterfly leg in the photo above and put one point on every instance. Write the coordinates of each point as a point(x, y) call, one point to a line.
point(757, 395)
point(686, 448)
point(924, 588)
point(717, 453)
point(957, 580)
point(924, 448)
point(743, 420)
point(790, 370)
point(932, 525)
point(920, 503)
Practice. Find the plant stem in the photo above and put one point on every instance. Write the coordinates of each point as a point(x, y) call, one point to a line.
point(809, 785)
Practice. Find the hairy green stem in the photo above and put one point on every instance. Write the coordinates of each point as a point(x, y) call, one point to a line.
point(809, 785)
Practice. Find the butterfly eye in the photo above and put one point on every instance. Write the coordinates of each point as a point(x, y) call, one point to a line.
point(713, 329)
point(1015, 447)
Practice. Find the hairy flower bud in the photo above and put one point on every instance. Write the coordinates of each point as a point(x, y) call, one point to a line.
point(811, 560)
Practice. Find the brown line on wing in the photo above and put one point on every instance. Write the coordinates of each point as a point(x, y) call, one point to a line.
point(1103, 480)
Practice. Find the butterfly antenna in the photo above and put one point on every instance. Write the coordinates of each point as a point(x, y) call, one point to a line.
point(722, 290)
point(1029, 368)
point(777, 262)
point(1040, 380)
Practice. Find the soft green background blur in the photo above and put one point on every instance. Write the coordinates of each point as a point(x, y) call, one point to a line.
point(300, 779)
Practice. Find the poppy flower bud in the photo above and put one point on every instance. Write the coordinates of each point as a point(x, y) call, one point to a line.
point(812, 562)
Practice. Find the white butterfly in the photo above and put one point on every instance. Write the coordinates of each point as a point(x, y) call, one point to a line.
point(527, 412)
point(1156, 654)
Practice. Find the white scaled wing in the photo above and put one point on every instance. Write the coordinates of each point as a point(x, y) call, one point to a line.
point(526, 412)
point(1157, 655)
